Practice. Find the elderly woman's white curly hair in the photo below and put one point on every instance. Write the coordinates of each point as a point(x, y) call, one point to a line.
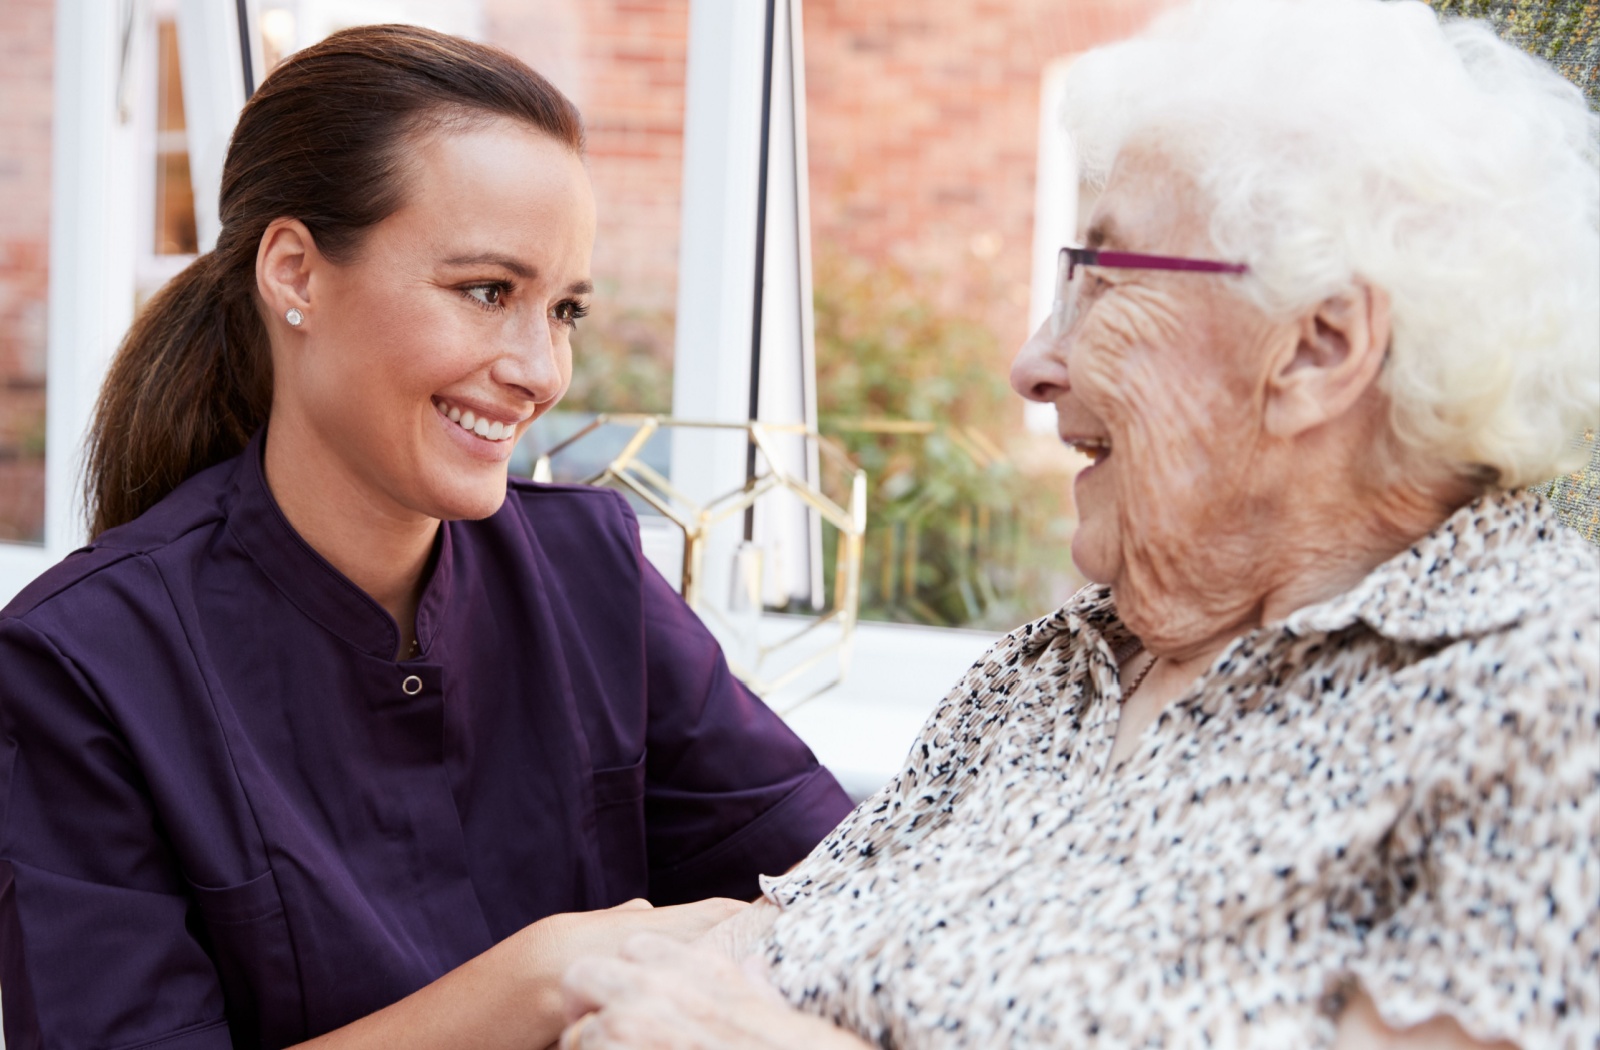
point(1344, 138)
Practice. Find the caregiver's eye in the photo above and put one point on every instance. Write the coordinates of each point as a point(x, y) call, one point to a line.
point(490, 296)
point(569, 312)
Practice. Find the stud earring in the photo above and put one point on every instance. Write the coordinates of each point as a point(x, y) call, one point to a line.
point(294, 317)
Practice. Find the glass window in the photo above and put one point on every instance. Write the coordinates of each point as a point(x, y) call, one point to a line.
point(25, 134)
point(924, 141)
point(174, 232)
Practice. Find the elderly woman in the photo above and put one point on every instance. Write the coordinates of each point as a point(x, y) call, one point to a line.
point(1314, 761)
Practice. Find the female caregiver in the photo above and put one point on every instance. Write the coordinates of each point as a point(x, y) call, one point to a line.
point(330, 721)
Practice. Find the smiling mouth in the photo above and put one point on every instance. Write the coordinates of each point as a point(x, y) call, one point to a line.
point(1094, 449)
point(478, 426)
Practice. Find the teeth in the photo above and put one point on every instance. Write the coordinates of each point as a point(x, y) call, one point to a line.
point(1095, 449)
point(489, 430)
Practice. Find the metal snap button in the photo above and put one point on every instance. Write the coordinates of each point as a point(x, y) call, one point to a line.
point(412, 685)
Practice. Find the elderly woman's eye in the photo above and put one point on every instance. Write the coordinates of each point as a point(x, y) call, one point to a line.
point(486, 295)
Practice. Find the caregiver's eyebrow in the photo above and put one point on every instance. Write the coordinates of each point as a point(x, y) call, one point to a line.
point(516, 266)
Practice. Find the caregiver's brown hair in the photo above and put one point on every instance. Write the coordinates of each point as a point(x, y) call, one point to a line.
point(323, 140)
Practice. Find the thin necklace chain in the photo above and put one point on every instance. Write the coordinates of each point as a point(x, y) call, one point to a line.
point(1137, 682)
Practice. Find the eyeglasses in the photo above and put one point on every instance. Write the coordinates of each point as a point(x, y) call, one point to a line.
point(1064, 313)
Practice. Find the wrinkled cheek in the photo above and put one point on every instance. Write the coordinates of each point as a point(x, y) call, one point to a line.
point(1172, 441)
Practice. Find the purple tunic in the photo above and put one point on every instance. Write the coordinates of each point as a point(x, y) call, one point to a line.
point(230, 817)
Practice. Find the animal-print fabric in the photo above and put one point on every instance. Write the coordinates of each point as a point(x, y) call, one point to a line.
point(1399, 787)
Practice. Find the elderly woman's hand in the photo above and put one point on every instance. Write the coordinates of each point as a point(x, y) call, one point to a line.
point(1361, 1027)
point(663, 995)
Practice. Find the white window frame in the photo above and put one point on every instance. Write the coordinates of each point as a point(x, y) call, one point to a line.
point(151, 269)
point(1056, 197)
point(92, 230)
point(100, 226)
point(861, 727)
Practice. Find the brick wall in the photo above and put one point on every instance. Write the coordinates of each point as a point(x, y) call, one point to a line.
point(924, 136)
point(623, 63)
point(26, 56)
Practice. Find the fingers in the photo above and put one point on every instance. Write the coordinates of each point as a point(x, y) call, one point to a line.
point(645, 961)
point(656, 993)
point(754, 969)
point(572, 1035)
point(739, 936)
point(637, 904)
point(685, 922)
point(655, 949)
point(648, 963)
point(663, 995)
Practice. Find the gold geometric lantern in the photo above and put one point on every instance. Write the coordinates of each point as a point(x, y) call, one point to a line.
point(768, 666)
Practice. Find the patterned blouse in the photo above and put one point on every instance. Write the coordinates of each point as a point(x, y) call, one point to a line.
point(1399, 786)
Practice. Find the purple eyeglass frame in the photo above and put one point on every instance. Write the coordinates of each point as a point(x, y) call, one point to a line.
point(1069, 259)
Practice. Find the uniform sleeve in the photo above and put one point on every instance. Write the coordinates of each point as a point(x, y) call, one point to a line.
point(95, 946)
point(1503, 930)
point(730, 791)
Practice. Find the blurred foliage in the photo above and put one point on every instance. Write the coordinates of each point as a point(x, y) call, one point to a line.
point(621, 361)
point(1577, 495)
point(956, 535)
point(1565, 33)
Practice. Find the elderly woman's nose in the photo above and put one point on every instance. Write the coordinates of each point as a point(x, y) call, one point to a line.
point(1039, 372)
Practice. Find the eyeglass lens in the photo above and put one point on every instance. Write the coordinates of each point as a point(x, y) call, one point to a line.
point(1065, 308)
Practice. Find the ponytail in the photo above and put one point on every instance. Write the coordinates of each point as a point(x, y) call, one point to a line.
point(190, 384)
point(322, 141)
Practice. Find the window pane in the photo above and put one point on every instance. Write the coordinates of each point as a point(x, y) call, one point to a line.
point(174, 205)
point(924, 140)
point(25, 93)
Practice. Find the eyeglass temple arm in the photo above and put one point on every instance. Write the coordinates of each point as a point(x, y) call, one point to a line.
point(1135, 260)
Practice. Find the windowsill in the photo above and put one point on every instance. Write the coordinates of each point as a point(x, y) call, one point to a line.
point(862, 727)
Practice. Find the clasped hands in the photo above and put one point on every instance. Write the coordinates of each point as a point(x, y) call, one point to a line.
point(658, 993)
point(662, 994)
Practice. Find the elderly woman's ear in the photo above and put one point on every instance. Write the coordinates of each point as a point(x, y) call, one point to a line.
point(1329, 360)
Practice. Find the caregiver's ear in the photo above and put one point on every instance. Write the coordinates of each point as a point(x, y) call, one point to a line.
point(1336, 355)
point(285, 260)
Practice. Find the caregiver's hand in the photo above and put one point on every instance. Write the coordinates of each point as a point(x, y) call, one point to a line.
point(560, 940)
point(659, 994)
point(509, 998)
